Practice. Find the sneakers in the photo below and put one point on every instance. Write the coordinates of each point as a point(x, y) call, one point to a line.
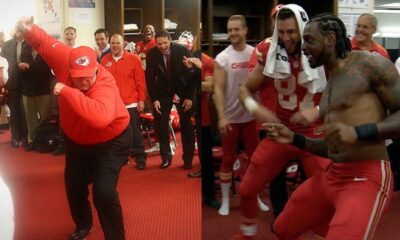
point(155, 148)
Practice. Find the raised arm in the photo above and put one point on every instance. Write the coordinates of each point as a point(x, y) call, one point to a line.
point(54, 52)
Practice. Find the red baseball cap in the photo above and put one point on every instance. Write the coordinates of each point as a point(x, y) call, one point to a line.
point(82, 62)
point(275, 9)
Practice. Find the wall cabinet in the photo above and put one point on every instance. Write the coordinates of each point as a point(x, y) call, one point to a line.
point(184, 13)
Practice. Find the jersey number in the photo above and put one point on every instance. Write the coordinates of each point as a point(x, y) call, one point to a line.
point(287, 96)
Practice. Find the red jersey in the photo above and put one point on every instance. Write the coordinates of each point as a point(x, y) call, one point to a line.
point(129, 76)
point(267, 92)
point(291, 96)
point(206, 71)
point(95, 116)
point(376, 48)
point(142, 48)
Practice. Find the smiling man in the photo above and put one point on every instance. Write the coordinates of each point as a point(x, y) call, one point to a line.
point(103, 47)
point(234, 122)
point(96, 124)
point(361, 108)
point(148, 42)
point(129, 75)
point(283, 65)
point(366, 26)
point(166, 75)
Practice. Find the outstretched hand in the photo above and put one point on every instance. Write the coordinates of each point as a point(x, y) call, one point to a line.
point(24, 24)
point(278, 132)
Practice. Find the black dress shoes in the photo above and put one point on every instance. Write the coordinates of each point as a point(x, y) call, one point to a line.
point(165, 164)
point(80, 234)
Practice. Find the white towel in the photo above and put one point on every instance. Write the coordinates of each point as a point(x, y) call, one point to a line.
point(313, 79)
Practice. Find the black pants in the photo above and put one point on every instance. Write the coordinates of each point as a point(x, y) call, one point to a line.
point(99, 164)
point(17, 115)
point(137, 143)
point(207, 167)
point(162, 130)
point(394, 155)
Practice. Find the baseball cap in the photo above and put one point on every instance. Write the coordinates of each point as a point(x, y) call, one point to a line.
point(275, 9)
point(82, 62)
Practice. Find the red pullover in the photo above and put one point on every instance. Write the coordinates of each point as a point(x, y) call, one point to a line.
point(376, 48)
point(129, 75)
point(95, 116)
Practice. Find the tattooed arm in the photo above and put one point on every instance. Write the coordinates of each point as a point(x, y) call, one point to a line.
point(385, 81)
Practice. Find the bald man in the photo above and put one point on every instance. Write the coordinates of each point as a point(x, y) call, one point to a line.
point(366, 26)
point(129, 75)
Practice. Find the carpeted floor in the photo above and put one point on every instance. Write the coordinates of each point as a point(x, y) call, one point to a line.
point(225, 227)
point(157, 204)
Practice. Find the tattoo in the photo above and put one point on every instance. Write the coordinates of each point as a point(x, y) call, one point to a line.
point(317, 146)
point(385, 81)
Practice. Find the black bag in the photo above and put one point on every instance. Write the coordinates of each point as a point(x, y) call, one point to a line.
point(45, 136)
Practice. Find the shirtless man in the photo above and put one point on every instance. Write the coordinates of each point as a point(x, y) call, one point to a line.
point(352, 193)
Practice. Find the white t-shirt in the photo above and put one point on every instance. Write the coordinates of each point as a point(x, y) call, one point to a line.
point(235, 65)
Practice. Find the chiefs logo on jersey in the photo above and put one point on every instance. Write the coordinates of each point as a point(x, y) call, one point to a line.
point(83, 61)
point(108, 64)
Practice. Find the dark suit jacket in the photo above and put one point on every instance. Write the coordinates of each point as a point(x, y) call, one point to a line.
point(158, 83)
point(36, 80)
point(9, 51)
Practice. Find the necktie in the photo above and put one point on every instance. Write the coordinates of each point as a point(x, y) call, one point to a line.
point(169, 66)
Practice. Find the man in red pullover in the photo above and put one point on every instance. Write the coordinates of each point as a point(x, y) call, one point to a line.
point(96, 124)
point(129, 75)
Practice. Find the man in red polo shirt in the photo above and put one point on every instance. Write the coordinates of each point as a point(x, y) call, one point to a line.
point(366, 26)
point(129, 75)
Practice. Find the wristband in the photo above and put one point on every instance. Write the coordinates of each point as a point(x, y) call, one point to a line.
point(250, 104)
point(367, 131)
point(299, 141)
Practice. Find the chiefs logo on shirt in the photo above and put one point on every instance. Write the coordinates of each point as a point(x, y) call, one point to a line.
point(108, 64)
point(240, 65)
point(83, 61)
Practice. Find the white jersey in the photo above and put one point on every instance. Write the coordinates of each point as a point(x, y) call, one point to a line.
point(235, 65)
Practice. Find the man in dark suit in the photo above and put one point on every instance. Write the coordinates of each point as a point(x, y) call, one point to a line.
point(12, 50)
point(103, 47)
point(36, 91)
point(166, 76)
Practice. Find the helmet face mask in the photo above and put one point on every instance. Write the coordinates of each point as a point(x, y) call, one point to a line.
point(186, 38)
